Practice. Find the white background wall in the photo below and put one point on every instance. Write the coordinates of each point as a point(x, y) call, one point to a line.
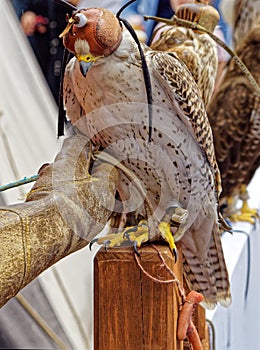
point(238, 327)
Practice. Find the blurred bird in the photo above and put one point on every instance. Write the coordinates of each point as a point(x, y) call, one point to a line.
point(246, 13)
point(168, 173)
point(195, 48)
point(234, 115)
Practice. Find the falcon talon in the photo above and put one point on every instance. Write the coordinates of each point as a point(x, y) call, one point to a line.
point(175, 252)
point(106, 245)
point(92, 242)
point(136, 249)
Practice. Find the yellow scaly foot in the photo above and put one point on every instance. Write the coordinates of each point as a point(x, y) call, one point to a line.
point(133, 236)
point(137, 235)
point(245, 213)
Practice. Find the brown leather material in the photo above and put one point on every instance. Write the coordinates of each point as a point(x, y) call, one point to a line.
point(103, 32)
point(65, 209)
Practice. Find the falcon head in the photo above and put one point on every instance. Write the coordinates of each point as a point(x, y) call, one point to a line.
point(199, 12)
point(91, 34)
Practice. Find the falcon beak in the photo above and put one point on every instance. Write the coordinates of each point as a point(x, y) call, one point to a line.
point(84, 67)
point(86, 61)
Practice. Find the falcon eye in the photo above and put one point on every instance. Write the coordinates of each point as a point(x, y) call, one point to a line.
point(80, 20)
point(87, 58)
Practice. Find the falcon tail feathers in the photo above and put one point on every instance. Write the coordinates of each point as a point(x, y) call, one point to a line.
point(208, 275)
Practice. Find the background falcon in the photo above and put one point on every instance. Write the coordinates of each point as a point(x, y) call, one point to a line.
point(105, 99)
point(196, 49)
point(234, 115)
point(246, 13)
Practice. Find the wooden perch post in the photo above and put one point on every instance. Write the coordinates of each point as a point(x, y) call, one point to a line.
point(132, 311)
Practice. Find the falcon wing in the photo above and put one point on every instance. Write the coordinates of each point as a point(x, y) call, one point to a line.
point(231, 115)
point(184, 94)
